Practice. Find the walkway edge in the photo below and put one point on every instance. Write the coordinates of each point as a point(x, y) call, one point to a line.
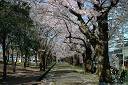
point(43, 75)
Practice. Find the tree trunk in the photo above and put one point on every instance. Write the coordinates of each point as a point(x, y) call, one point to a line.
point(8, 56)
point(44, 62)
point(13, 62)
point(41, 61)
point(86, 58)
point(28, 61)
point(4, 59)
point(14, 69)
point(105, 75)
point(25, 62)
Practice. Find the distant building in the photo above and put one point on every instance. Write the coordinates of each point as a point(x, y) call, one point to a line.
point(115, 62)
point(120, 53)
point(125, 51)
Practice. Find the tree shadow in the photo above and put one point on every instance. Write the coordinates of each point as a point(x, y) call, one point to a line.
point(21, 78)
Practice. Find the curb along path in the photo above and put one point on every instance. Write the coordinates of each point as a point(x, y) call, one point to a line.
point(45, 73)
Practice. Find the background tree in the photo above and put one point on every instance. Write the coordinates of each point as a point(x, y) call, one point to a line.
point(12, 18)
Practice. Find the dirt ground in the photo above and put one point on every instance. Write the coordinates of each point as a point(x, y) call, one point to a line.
point(22, 76)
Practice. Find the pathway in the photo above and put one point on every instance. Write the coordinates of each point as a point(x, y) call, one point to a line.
point(65, 74)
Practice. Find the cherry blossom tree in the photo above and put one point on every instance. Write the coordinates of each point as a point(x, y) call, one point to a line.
point(97, 36)
point(86, 21)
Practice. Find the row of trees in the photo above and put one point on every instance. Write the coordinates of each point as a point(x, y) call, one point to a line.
point(19, 33)
point(86, 28)
point(14, 20)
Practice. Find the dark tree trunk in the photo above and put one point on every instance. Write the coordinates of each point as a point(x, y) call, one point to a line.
point(25, 62)
point(14, 69)
point(41, 61)
point(4, 59)
point(40, 66)
point(87, 66)
point(28, 61)
point(104, 58)
point(87, 57)
point(44, 63)
point(13, 61)
point(84, 62)
point(8, 56)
